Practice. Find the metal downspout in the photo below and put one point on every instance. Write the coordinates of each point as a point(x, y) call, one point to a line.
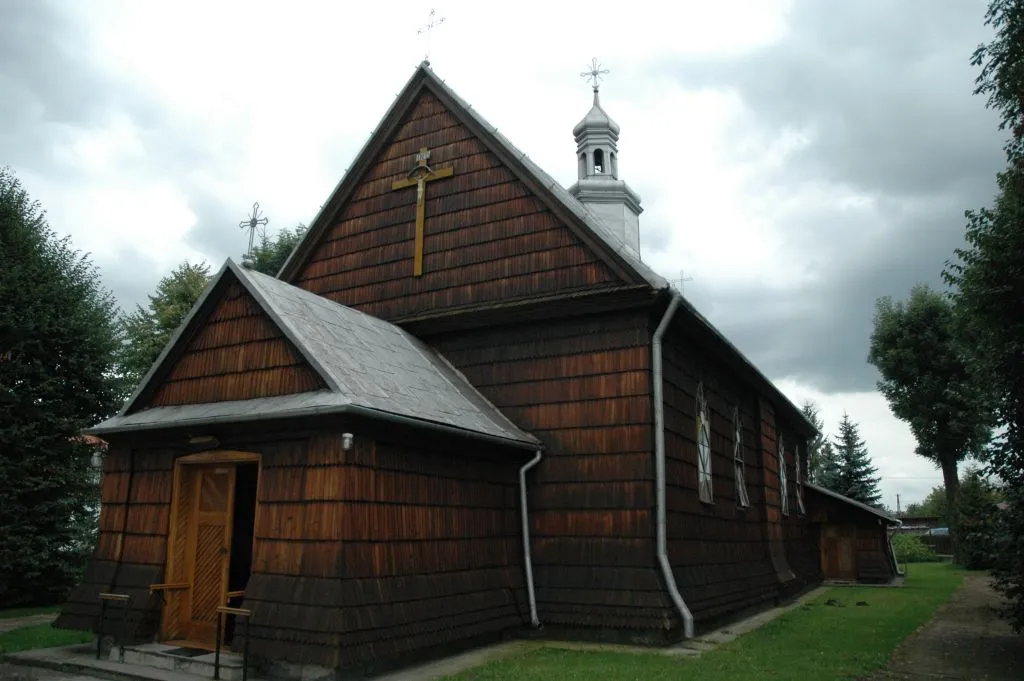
point(659, 466)
point(525, 518)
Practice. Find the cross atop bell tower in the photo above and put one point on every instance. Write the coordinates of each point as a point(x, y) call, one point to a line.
point(597, 162)
point(597, 135)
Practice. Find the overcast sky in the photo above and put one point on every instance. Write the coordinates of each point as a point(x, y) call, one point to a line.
point(796, 159)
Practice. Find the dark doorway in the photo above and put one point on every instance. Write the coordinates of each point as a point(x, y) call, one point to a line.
point(246, 477)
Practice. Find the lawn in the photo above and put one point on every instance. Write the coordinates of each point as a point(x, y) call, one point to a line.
point(809, 643)
point(37, 635)
point(40, 636)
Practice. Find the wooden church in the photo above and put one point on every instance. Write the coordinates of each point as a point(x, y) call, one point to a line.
point(464, 409)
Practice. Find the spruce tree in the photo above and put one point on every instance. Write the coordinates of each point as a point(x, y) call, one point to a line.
point(816, 445)
point(854, 477)
point(827, 474)
point(56, 343)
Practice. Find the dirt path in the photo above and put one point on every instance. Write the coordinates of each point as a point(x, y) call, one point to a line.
point(26, 621)
point(965, 640)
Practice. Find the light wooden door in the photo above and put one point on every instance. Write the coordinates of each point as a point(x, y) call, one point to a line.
point(208, 548)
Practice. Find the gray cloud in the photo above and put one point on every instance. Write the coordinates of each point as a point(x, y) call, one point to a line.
point(882, 91)
point(52, 90)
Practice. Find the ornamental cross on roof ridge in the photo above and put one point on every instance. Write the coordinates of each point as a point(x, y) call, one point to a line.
point(427, 30)
point(595, 74)
point(254, 223)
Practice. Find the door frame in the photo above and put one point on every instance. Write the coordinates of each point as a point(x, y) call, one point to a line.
point(219, 456)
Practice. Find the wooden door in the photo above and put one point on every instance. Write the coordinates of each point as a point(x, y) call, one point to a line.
point(838, 558)
point(208, 548)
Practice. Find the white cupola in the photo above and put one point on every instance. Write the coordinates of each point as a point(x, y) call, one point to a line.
point(599, 187)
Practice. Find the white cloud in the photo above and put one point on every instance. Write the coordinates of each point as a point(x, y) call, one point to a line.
point(271, 101)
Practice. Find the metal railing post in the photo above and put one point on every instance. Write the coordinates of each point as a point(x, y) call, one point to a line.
point(237, 612)
point(124, 599)
point(124, 632)
point(245, 650)
point(99, 629)
point(216, 651)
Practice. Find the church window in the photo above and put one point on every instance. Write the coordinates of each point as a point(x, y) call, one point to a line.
point(704, 485)
point(598, 161)
point(737, 453)
point(799, 483)
point(783, 484)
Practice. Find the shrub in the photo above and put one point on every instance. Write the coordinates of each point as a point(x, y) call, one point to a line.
point(910, 549)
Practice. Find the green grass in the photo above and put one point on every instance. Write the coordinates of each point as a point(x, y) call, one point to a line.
point(40, 636)
point(808, 643)
point(11, 613)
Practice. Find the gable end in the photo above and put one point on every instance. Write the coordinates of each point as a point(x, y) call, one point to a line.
point(494, 195)
point(234, 351)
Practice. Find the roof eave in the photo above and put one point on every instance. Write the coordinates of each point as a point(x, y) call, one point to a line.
point(530, 444)
point(853, 502)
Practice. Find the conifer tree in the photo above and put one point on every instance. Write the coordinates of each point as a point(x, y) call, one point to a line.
point(816, 445)
point(854, 475)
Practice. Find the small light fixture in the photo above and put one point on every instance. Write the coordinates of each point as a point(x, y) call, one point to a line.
point(203, 440)
point(346, 441)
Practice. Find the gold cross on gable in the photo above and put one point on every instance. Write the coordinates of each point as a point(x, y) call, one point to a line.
point(419, 176)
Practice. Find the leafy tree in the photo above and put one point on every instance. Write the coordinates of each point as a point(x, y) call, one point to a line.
point(976, 526)
point(933, 505)
point(269, 255)
point(854, 476)
point(146, 331)
point(57, 337)
point(814, 447)
point(929, 380)
point(989, 280)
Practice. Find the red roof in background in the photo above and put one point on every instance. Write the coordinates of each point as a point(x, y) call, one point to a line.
point(92, 440)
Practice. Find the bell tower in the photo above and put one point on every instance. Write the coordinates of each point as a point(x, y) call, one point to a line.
point(598, 186)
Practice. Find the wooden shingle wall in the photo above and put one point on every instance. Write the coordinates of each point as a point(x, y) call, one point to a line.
point(581, 385)
point(134, 521)
point(238, 354)
point(801, 535)
point(381, 551)
point(718, 551)
point(869, 537)
point(487, 238)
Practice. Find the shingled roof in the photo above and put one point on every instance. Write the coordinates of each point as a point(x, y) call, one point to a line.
point(882, 515)
point(584, 222)
point(370, 367)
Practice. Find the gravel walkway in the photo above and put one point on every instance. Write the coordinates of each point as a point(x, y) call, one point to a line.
point(965, 640)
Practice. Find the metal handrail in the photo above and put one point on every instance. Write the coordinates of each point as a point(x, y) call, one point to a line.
point(237, 612)
point(112, 598)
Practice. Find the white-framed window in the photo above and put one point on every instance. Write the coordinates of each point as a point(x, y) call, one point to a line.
point(799, 482)
point(704, 485)
point(783, 485)
point(737, 455)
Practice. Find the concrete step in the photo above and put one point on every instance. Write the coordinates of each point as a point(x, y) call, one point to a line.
point(161, 656)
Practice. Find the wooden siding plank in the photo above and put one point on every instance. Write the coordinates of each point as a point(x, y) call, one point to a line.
point(238, 354)
point(487, 238)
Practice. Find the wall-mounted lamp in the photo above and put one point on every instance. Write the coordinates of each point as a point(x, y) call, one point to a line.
point(346, 441)
point(203, 440)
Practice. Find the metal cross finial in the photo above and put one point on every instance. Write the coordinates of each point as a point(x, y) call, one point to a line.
point(595, 74)
point(428, 29)
point(254, 223)
point(681, 280)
